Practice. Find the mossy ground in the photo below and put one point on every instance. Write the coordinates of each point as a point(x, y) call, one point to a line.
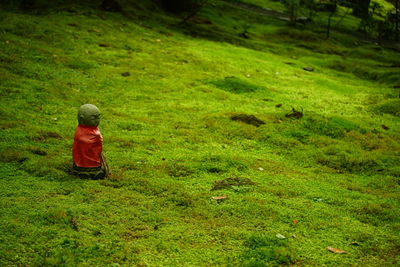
point(330, 178)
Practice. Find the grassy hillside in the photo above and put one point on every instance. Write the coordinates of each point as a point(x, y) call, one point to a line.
point(200, 112)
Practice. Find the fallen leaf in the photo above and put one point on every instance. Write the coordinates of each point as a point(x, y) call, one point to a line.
point(280, 236)
point(296, 221)
point(335, 250)
point(220, 197)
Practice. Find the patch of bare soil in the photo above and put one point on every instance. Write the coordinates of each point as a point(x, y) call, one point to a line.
point(232, 181)
point(248, 119)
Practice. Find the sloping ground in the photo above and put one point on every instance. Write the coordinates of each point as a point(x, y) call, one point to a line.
point(191, 119)
point(258, 9)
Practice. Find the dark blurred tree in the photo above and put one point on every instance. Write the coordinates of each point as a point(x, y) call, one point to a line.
point(331, 7)
point(310, 6)
point(181, 6)
point(45, 5)
point(111, 5)
point(360, 8)
point(396, 16)
point(37, 4)
point(370, 24)
point(292, 7)
point(189, 8)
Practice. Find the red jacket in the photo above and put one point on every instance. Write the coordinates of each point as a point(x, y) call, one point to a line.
point(87, 147)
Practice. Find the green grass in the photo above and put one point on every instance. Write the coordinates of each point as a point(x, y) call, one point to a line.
point(330, 178)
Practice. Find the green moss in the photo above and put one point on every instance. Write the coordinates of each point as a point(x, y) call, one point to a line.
point(329, 178)
point(334, 127)
point(391, 107)
point(236, 85)
point(348, 159)
point(262, 249)
point(365, 71)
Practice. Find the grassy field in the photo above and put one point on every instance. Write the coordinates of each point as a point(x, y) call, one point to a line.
point(201, 114)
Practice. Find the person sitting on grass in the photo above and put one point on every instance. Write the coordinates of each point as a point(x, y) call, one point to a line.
point(87, 150)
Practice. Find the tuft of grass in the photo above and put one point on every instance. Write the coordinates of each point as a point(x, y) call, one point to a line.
point(348, 159)
point(334, 127)
point(236, 85)
point(262, 249)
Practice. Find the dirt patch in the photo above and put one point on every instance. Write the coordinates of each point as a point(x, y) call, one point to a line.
point(230, 182)
point(39, 152)
point(294, 114)
point(46, 135)
point(179, 170)
point(11, 155)
point(248, 119)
